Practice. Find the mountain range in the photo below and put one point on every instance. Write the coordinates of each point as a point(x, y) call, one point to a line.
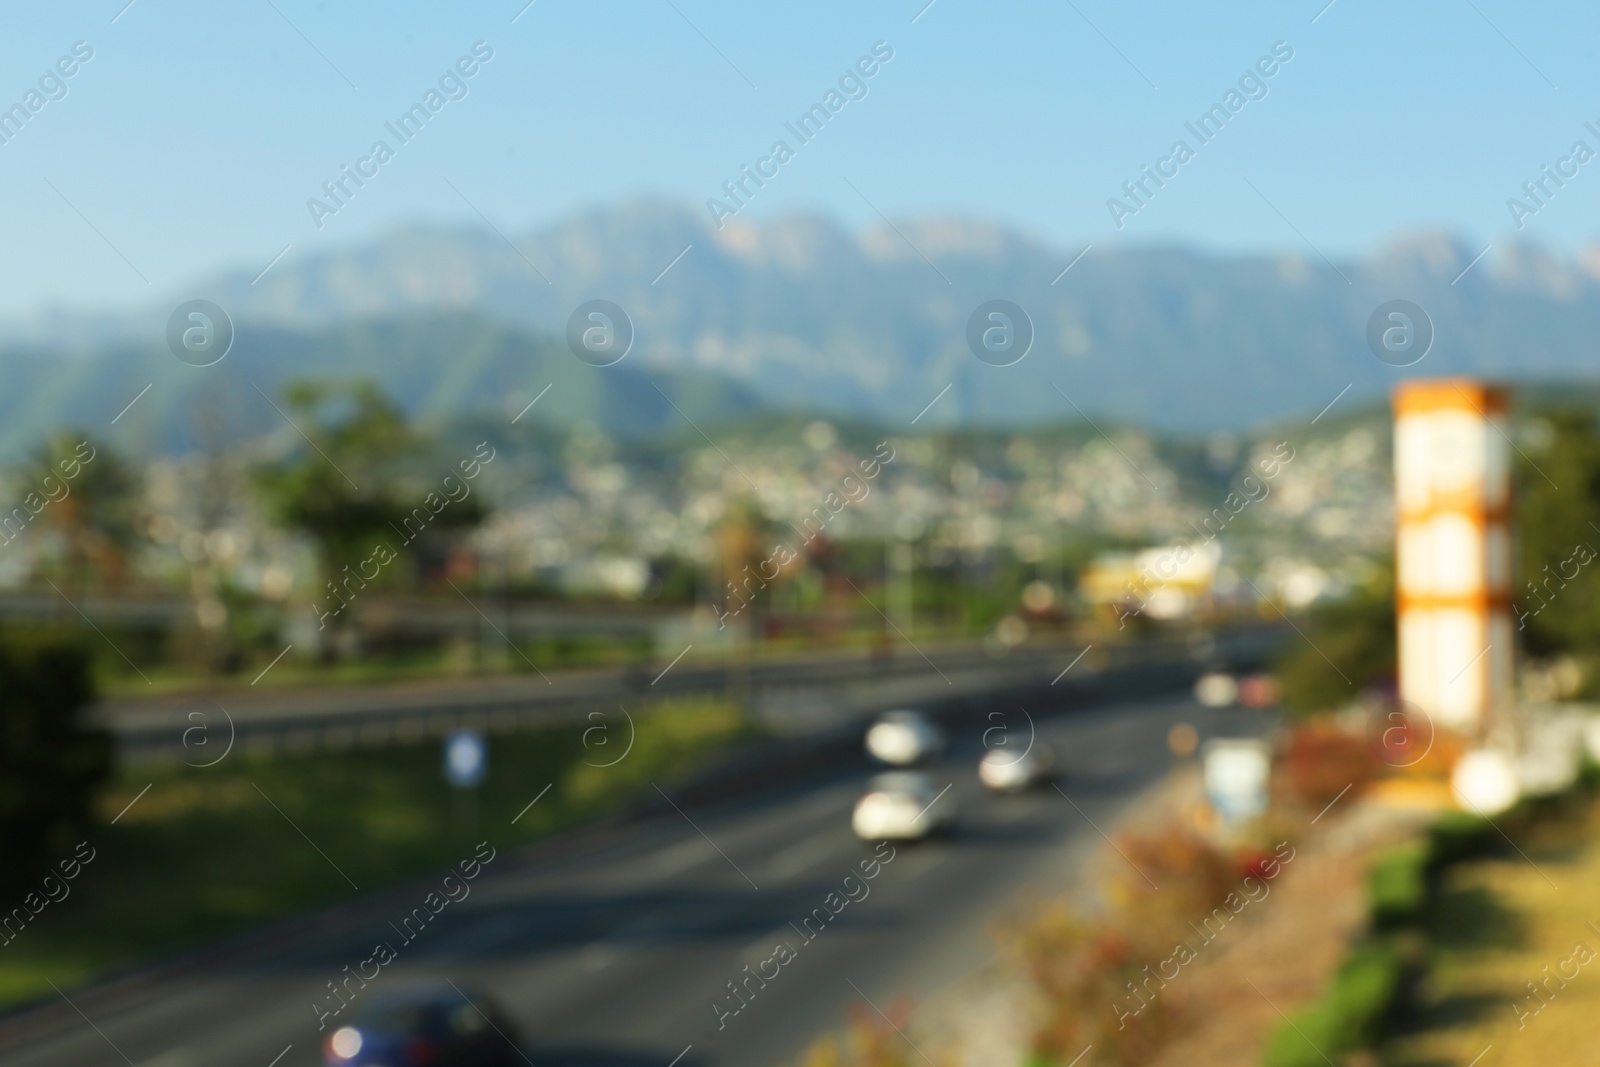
point(801, 314)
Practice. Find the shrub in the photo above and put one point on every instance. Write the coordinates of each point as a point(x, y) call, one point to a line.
point(1350, 1013)
point(1397, 887)
point(1456, 836)
point(1086, 970)
point(869, 1041)
point(1180, 876)
point(50, 760)
point(1082, 969)
point(1320, 761)
point(1348, 1016)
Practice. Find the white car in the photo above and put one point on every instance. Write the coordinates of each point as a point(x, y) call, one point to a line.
point(902, 806)
point(903, 738)
point(1006, 771)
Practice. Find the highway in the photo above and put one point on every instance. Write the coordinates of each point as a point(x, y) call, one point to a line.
point(615, 951)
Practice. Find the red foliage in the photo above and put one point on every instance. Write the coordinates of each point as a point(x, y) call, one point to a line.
point(1085, 969)
point(1321, 761)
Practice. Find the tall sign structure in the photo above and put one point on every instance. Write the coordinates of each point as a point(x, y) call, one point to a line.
point(1452, 470)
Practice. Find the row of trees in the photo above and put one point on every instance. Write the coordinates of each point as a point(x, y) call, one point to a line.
point(342, 490)
point(359, 474)
point(86, 504)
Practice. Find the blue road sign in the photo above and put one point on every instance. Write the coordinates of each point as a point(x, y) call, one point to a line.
point(466, 758)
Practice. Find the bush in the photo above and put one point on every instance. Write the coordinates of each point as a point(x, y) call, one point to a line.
point(1397, 887)
point(1193, 874)
point(1350, 1013)
point(50, 760)
point(1321, 761)
point(1083, 968)
point(868, 1042)
point(1456, 836)
point(1348, 1016)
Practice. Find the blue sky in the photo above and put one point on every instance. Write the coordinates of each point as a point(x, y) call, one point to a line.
point(194, 137)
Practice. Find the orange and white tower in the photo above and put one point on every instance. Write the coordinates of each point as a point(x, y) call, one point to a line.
point(1452, 470)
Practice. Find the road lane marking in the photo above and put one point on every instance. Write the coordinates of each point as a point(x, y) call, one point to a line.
point(675, 859)
point(804, 855)
point(703, 834)
point(598, 956)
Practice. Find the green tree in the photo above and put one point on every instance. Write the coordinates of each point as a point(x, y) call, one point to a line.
point(362, 476)
point(340, 490)
point(1557, 526)
point(1347, 645)
point(91, 498)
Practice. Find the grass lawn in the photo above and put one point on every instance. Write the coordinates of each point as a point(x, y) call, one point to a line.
point(204, 854)
point(1499, 923)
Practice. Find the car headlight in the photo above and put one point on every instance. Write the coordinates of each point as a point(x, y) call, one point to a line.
point(345, 1042)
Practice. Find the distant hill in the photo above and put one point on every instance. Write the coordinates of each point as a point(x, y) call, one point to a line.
point(440, 367)
point(800, 314)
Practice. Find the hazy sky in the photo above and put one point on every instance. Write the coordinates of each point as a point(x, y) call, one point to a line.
point(194, 136)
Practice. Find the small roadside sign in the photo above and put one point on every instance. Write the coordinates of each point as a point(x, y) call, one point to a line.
point(466, 758)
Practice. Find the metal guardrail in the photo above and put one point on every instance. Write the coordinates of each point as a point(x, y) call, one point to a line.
point(199, 729)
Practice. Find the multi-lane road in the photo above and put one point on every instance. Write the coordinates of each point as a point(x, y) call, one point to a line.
point(620, 950)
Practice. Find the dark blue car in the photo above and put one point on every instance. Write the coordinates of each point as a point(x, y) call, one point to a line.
point(433, 1025)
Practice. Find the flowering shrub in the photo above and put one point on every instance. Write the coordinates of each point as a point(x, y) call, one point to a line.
point(1083, 968)
point(870, 1040)
point(1320, 761)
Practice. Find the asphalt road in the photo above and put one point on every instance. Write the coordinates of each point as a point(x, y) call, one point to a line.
point(616, 954)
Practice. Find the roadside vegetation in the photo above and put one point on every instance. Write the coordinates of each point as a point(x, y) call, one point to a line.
point(1512, 948)
point(209, 852)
